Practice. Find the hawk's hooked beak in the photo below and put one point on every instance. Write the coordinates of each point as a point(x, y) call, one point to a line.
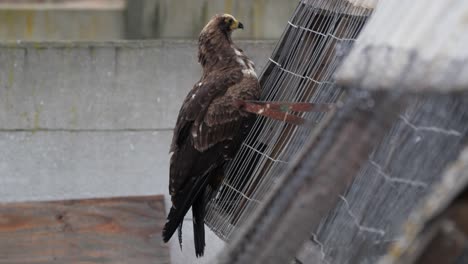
point(236, 24)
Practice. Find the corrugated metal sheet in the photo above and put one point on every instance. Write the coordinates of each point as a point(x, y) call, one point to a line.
point(416, 45)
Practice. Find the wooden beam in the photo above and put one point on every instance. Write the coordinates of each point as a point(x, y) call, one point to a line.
point(110, 230)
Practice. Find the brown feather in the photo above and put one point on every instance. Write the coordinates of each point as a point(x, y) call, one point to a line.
point(210, 127)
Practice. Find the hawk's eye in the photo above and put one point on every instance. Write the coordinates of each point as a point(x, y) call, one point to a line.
point(230, 21)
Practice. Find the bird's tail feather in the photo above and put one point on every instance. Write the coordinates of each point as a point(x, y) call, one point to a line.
point(176, 215)
point(180, 234)
point(174, 220)
point(198, 212)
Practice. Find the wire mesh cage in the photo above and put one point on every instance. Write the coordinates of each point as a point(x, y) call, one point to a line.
point(364, 168)
point(427, 135)
point(310, 188)
point(437, 230)
point(300, 70)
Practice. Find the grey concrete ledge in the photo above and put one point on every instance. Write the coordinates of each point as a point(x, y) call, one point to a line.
point(51, 166)
point(121, 43)
point(117, 85)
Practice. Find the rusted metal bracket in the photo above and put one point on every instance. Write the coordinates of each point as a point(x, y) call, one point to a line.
point(282, 111)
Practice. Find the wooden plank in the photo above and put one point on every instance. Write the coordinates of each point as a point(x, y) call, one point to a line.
point(110, 230)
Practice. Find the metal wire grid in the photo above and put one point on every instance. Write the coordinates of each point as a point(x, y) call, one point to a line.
point(300, 70)
point(398, 171)
point(311, 186)
point(424, 139)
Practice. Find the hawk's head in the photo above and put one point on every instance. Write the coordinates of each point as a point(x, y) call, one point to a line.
point(225, 23)
point(215, 41)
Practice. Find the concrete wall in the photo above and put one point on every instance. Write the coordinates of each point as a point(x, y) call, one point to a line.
point(61, 24)
point(139, 19)
point(95, 119)
point(263, 19)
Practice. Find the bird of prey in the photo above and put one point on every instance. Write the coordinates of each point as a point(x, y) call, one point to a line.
point(211, 125)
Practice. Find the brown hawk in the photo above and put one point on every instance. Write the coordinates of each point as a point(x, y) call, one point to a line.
point(211, 126)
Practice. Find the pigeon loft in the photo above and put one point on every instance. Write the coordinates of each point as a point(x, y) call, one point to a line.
point(108, 230)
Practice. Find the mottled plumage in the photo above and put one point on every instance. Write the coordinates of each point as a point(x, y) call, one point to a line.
point(210, 127)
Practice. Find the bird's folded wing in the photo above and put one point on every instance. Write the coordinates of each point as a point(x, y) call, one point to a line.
point(221, 122)
point(224, 120)
point(197, 102)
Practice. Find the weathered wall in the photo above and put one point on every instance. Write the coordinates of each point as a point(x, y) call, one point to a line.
point(263, 19)
point(56, 24)
point(139, 19)
point(95, 119)
point(96, 86)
